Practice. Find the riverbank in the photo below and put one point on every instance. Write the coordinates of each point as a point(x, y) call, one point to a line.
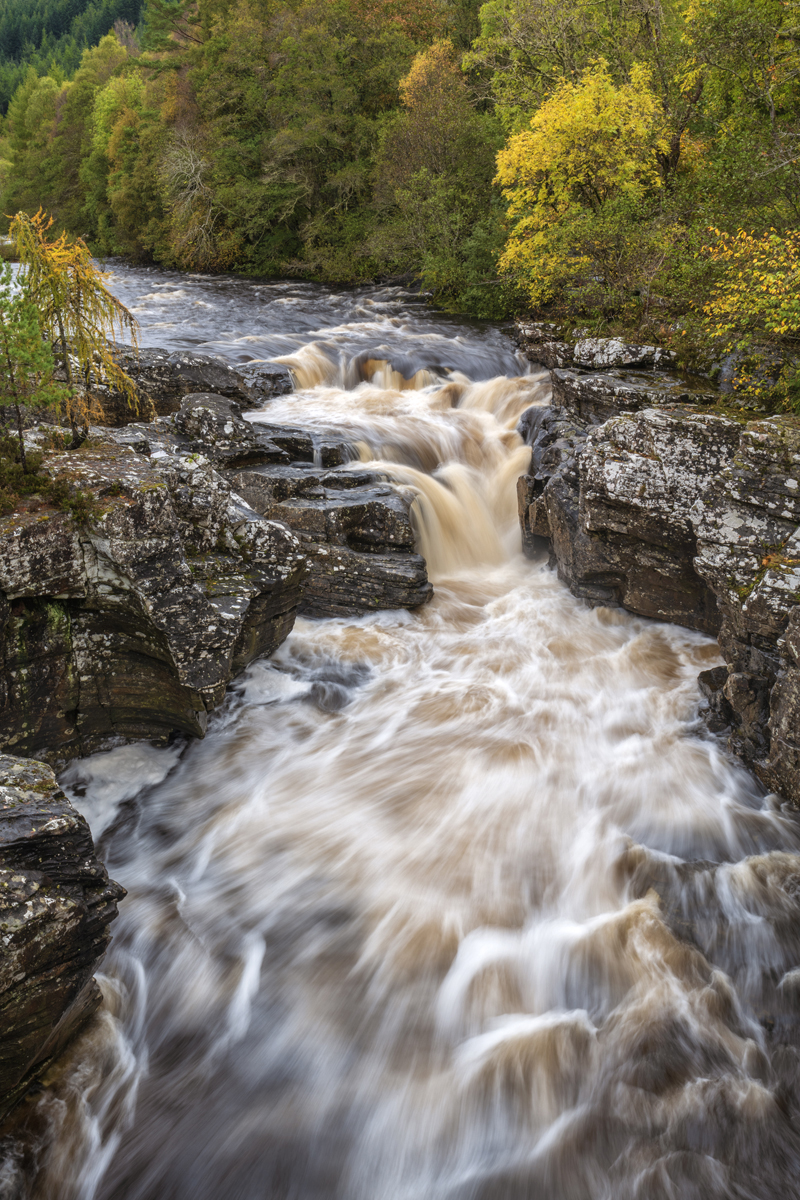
point(656, 496)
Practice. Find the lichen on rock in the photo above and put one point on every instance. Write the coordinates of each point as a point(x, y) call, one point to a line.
point(56, 905)
point(689, 515)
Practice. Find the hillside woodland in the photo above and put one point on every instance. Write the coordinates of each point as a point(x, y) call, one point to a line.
point(624, 165)
point(51, 35)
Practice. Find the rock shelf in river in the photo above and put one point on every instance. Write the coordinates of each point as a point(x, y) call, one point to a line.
point(207, 534)
point(688, 516)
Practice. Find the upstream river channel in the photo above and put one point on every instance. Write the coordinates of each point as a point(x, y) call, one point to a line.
point(500, 923)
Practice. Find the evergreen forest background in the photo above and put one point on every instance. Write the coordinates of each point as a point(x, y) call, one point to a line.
point(630, 164)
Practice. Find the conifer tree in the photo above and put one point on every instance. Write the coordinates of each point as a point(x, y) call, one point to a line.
point(76, 311)
point(26, 359)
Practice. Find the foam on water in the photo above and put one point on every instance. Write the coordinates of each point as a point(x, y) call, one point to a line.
point(452, 904)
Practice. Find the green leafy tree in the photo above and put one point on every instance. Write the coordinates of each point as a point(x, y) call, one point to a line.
point(51, 35)
point(746, 56)
point(26, 359)
point(124, 200)
point(434, 189)
point(527, 48)
point(31, 129)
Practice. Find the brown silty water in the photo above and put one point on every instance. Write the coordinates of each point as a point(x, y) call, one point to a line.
point(459, 904)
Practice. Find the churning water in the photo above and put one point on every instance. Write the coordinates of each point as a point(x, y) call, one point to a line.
point(452, 905)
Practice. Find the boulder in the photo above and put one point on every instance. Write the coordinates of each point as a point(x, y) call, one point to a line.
point(163, 379)
point(598, 396)
point(56, 905)
point(545, 343)
point(558, 347)
point(212, 425)
point(354, 526)
point(204, 535)
point(132, 622)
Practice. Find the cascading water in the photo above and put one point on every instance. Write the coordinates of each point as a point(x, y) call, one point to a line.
point(452, 905)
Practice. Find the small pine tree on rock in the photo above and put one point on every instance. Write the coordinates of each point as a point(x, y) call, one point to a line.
point(26, 359)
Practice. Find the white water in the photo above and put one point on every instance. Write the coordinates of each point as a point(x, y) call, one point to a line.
point(453, 904)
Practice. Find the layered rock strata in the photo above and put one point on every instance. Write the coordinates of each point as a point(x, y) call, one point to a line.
point(203, 536)
point(353, 526)
point(132, 621)
point(686, 515)
point(557, 346)
point(56, 905)
point(357, 533)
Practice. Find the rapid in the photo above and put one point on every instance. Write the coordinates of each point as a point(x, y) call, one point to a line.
point(458, 904)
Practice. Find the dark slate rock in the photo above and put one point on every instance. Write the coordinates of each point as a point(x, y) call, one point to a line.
point(56, 905)
point(691, 517)
point(355, 528)
point(112, 629)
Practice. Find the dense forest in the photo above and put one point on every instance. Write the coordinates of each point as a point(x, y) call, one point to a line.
point(51, 35)
point(632, 164)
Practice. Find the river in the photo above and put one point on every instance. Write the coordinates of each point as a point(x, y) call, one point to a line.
point(459, 904)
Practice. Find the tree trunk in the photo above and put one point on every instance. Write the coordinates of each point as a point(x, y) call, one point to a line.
point(22, 457)
point(78, 435)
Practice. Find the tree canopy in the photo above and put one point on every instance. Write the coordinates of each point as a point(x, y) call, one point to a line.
point(51, 35)
point(571, 156)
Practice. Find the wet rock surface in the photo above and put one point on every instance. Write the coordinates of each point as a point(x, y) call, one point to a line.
point(356, 530)
point(56, 905)
point(353, 526)
point(206, 535)
point(162, 380)
point(132, 622)
point(685, 515)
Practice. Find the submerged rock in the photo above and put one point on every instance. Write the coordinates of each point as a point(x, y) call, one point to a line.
point(56, 905)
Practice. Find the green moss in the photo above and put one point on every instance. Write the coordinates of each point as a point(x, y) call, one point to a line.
point(56, 616)
point(34, 487)
point(739, 415)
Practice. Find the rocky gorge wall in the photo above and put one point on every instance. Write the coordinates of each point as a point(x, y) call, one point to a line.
point(651, 498)
point(56, 906)
point(202, 538)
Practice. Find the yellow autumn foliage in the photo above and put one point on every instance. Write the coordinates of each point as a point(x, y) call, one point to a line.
point(759, 290)
point(592, 144)
point(76, 311)
point(755, 304)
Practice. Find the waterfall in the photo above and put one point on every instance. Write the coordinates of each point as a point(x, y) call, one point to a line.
point(501, 922)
